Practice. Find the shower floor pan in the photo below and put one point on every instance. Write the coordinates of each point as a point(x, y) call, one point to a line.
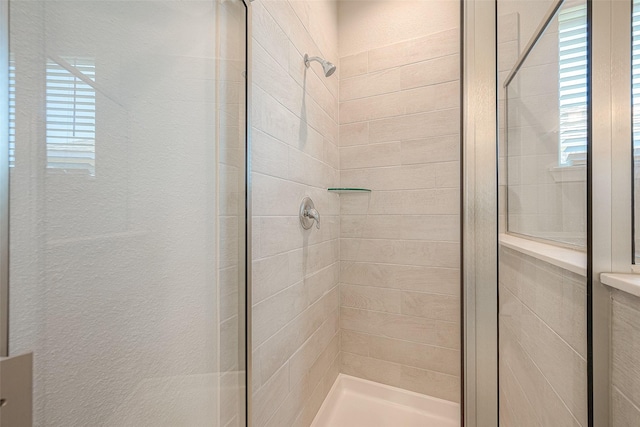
point(354, 402)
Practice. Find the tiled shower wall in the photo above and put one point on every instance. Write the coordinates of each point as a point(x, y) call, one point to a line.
point(399, 245)
point(295, 153)
point(543, 343)
point(625, 359)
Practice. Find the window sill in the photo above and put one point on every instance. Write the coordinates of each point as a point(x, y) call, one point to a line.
point(629, 283)
point(567, 259)
point(569, 173)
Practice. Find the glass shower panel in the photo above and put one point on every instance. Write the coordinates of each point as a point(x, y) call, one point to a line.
point(546, 140)
point(543, 376)
point(128, 210)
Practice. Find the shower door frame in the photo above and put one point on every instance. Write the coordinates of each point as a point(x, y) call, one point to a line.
point(479, 215)
point(609, 198)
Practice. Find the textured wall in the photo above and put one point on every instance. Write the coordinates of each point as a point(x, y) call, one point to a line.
point(543, 368)
point(114, 276)
point(399, 251)
point(625, 359)
point(295, 153)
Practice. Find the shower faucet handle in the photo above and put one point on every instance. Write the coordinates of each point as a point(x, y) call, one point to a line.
point(309, 214)
point(313, 214)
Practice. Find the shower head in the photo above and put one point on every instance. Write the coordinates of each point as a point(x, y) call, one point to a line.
point(327, 66)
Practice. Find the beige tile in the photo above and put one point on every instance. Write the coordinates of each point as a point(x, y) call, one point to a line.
point(269, 156)
point(279, 234)
point(368, 156)
point(269, 34)
point(549, 406)
point(267, 399)
point(508, 27)
point(273, 196)
point(302, 391)
point(276, 311)
point(281, 346)
point(370, 298)
point(431, 150)
point(415, 126)
point(276, 120)
point(321, 282)
point(431, 383)
point(557, 363)
point(370, 84)
point(445, 281)
point(273, 274)
point(443, 228)
point(434, 71)
point(397, 202)
point(371, 369)
point(437, 359)
point(354, 65)
point(558, 299)
point(448, 174)
point(423, 99)
point(391, 178)
point(332, 157)
point(354, 342)
point(275, 80)
point(414, 329)
point(515, 408)
point(626, 346)
point(303, 359)
point(407, 252)
point(354, 134)
point(431, 306)
point(508, 53)
point(625, 413)
point(311, 171)
point(429, 47)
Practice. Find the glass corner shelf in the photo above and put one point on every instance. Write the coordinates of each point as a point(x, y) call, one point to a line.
point(347, 190)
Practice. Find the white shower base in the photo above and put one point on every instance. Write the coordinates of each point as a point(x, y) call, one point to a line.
point(354, 402)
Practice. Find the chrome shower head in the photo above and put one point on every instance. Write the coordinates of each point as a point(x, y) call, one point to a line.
point(327, 66)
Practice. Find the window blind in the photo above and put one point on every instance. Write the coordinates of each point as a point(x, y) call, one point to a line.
point(12, 113)
point(71, 117)
point(635, 76)
point(572, 48)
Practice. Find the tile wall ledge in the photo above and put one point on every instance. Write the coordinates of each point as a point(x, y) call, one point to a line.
point(629, 283)
point(568, 259)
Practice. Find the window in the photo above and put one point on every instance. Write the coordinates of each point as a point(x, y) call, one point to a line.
point(71, 115)
point(572, 48)
point(635, 76)
point(12, 112)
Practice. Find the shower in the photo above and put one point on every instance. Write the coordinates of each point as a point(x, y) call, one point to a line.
point(327, 66)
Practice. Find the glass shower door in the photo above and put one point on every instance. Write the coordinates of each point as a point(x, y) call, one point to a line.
point(543, 280)
point(127, 210)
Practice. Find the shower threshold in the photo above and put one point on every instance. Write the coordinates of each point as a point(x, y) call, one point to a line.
point(354, 402)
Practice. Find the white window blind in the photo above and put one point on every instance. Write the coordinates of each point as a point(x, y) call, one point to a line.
point(71, 116)
point(572, 47)
point(12, 112)
point(635, 75)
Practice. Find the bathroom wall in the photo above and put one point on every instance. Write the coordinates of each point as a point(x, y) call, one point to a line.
point(625, 359)
point(294, 154)
point(400, 244)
